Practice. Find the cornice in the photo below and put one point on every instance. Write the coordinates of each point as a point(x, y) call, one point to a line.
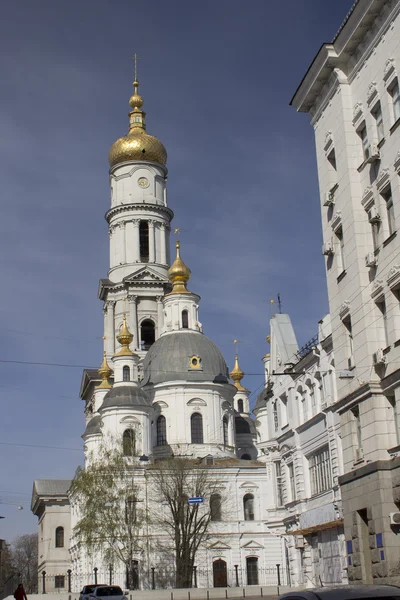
point(150, 208)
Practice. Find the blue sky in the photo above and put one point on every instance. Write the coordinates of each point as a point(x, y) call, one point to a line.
point(217, 78)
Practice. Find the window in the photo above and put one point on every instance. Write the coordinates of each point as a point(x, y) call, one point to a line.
point(362, 132)
point(387, 196)
point(395, 94)
point(130, 510)
point(240, 405)
point(59, 581)
point(144, 241)
point(383, 324)
point(304, 404)
point(225, 430)
point(252, 570)
point(279, 483)
point(128, 442)
point(332, 159)
point(313, 398)
point(241, 425)
point(395, 417)
point(248, 507)
point(126, 373)
point(60, 537)
point(357, 432)
point(292, 482)
point(196, 426)
point(340, 256)
point(161, 431)
point(320, 471)
point(215, 507)
point(349, 341)
point(147, 334)
point(275, 415)
point(377, 114)
point(185, 319)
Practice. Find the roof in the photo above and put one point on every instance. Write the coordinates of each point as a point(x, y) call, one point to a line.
point(169, 359)
point(49, 488)
point(93, 426)
point(89, 378)
point(125, 396)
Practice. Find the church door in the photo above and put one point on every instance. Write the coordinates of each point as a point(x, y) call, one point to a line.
point(219, 572)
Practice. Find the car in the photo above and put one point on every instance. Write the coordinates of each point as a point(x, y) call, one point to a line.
point(88, 589)
point(348, 592)
point(111, 592)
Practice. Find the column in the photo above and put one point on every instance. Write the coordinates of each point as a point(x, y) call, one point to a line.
point(110, 332)
point(122, 243)
point(105, 348)
point(160, 315)
point(151, 241)
point(129, 242)
point(163, 244)
point(133, 320)
point(112, 244)
point(136, 241)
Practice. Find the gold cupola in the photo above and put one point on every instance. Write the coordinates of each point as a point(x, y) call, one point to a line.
point(125, 338)
point(237, 375)
point(179, 273)
point(105, 373)
point(137, 145)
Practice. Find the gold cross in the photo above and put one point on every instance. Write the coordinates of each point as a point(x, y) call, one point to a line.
point(236, 342)
point(177, 230)
point(135, 59)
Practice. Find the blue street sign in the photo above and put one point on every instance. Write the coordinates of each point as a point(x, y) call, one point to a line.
point(198, 500)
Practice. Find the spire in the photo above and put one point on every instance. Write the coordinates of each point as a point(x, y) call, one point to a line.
point(237, 375)
point(125, 338)
point(137, 117)
point(179, 273)
point(105, 373)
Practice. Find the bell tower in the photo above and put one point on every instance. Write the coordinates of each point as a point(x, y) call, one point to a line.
point(139, 227)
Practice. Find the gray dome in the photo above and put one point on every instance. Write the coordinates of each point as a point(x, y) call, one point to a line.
point(93, 426)
point(125, 396)
point(261, 399)
point(169, 359)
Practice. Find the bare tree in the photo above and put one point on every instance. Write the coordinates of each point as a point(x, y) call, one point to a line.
point(24, 551)
point(107, 495)
point(174, 481)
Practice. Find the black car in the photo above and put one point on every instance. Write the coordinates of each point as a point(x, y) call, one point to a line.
point(348, 592)
point(89, 589)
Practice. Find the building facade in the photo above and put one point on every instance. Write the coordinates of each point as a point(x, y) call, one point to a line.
point(351, 92)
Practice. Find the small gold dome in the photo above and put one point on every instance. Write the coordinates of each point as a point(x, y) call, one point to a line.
point(179, 273)
point(105, 373)
point(237, 375)
point(125, 338)
point(137, 145)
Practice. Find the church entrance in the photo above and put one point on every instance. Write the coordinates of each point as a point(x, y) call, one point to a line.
point(220, 574)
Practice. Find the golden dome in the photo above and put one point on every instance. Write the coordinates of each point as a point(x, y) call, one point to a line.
point(237, 375)
point(125, 338)
point(105, 373)
point(179, 273)
point(137, 145)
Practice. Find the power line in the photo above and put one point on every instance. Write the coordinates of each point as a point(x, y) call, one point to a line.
point(40, 446)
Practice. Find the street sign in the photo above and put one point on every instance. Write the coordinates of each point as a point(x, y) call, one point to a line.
point(198, 500)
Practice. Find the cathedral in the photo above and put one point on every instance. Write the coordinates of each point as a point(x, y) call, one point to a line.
point(163, 390)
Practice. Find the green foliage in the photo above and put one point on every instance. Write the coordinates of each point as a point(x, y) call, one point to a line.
point(106, 494)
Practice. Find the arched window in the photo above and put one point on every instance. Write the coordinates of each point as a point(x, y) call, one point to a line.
point(126, 373)
point(128, 442)
point(225, 430)
point(248, 507)
point(185, 319)
point(252, 570)
point(161, 431)
point(60, 537)
point(215, 507)
point(245, 457)
point(144, 241)
point(147, 334)
point(130, 510)
point(196, 428)
point(240, 405)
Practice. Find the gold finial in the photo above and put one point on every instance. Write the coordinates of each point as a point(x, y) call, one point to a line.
point(105, 373)
point(268, 338)
point(125, 338)
point(237, 374)
point(179, 273)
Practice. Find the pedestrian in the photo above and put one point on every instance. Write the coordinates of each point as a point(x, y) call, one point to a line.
point(20, 593)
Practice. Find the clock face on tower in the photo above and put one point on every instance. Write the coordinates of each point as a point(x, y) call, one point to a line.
point(143, 182)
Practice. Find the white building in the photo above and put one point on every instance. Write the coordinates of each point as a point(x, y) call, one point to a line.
point(351, 91)
point(164, 389)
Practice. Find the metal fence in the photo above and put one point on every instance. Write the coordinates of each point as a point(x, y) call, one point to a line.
point(164, 577)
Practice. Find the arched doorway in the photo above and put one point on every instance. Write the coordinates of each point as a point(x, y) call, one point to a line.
point(220, 573)
point(147, 334)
